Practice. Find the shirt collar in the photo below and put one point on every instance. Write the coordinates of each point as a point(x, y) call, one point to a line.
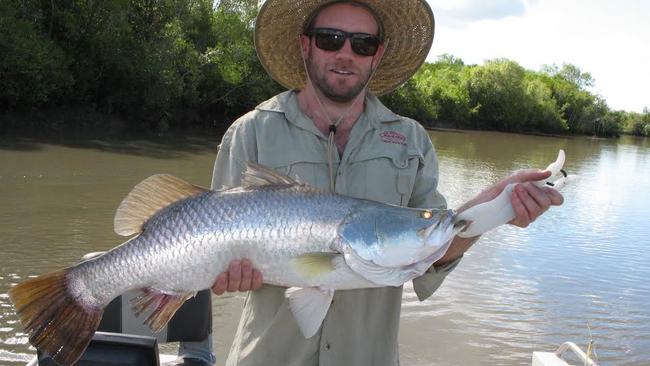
point(287, 103)
point(375, 113)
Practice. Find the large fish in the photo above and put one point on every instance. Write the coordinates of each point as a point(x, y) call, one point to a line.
point(311, 241)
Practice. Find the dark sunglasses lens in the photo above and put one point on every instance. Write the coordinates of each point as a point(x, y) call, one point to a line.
point(365, 46)
point(330, 41)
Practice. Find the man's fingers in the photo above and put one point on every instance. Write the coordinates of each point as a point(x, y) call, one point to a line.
point(530, 175)
point(521, 219)
point(533, 207)
point(234, 272)
point(240, 276)
point(556, 197)
point(246, 275)
point(257, 279)
point(541, 199)
point(221, 284)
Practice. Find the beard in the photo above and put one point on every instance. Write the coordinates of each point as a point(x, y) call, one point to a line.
point(331, 92)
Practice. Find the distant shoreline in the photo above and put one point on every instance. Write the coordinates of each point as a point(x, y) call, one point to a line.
point(82, 121)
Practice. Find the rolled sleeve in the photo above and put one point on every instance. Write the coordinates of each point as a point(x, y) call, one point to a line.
point(425, 285)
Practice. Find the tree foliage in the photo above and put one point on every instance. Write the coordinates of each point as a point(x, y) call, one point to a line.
point(501, 95)
point(193, 61)
point(143, 60)
point(34, 70)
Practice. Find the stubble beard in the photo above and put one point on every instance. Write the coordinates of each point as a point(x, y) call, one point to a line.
point(320, 82)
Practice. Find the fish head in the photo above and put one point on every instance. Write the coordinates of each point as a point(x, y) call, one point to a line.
point(392, 236)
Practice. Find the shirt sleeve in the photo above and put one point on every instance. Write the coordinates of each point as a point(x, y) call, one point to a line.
point(426, 195)
point(425, 189)
point(237, 147)
point(425, 285)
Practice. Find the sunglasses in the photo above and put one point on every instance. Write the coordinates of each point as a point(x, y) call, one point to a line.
point(330, 39)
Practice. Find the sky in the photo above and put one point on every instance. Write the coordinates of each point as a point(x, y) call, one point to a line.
point(606, 38)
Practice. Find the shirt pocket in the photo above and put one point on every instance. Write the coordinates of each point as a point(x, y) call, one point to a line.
point(386, 175)
point(308, 165)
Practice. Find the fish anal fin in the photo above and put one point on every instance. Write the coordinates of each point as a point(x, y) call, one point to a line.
point(149, 197)
point(309, 306)
point(162, 306)
point(58, 324)
point(312, 265)
point(257, 175)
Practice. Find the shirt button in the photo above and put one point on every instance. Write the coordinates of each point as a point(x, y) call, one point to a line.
point(327, 346)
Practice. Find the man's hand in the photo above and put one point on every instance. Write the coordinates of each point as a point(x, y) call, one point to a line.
point(528, 200)
point(240, 276)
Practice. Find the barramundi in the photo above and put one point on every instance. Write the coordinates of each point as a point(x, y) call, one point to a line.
point(183, 236)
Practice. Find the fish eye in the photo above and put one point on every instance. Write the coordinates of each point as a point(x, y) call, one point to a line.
point(426, 214)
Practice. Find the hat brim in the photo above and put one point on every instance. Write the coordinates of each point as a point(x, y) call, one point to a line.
point(408, 27)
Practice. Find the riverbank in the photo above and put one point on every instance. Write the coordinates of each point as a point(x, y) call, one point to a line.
point(59, 124)
point(86, 123)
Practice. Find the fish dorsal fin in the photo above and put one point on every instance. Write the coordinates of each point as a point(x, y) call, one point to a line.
point(257, 175)
point(147, 198)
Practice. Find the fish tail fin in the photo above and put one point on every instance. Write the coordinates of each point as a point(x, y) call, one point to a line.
point(57, 323)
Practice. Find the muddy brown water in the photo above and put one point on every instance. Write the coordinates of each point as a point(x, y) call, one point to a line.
point(579, 273)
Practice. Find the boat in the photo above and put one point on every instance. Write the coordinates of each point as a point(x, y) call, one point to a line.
point(557, 358)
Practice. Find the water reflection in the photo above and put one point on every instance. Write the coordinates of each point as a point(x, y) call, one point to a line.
point(580, 268)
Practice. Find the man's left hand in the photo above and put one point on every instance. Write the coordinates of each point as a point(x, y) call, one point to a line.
point(528, 200)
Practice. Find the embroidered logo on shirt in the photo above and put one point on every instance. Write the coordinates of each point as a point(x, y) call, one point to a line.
point(393, 137)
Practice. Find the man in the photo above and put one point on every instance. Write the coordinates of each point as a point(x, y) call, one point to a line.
point(331, 131)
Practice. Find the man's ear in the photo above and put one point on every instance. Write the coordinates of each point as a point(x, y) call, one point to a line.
point(305, 43)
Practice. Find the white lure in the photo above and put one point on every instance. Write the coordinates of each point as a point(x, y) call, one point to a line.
point(488, 215)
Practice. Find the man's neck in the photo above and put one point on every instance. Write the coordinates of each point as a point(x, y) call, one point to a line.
point(329, 112)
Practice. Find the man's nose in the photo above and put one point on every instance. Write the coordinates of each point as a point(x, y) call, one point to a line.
point(346, 50)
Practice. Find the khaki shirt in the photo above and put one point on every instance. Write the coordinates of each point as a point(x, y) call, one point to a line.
point(387, 158)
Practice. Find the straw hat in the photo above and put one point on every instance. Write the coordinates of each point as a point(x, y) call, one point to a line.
point(407, 24)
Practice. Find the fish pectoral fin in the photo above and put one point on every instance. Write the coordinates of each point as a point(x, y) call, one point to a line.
point(162, 306)
point(312, 265)
point(309, 306)
point(149, 197)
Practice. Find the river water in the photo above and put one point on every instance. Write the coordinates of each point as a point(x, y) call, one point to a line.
point(580, 273)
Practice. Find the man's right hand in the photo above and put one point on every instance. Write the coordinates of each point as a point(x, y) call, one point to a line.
point(240, 276)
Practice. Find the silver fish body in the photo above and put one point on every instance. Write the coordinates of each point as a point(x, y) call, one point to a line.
point(185, 246)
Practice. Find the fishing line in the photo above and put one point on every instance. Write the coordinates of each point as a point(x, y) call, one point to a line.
point(334, 124)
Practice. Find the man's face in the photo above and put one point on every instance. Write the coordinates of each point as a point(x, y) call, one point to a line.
point(341, 75)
